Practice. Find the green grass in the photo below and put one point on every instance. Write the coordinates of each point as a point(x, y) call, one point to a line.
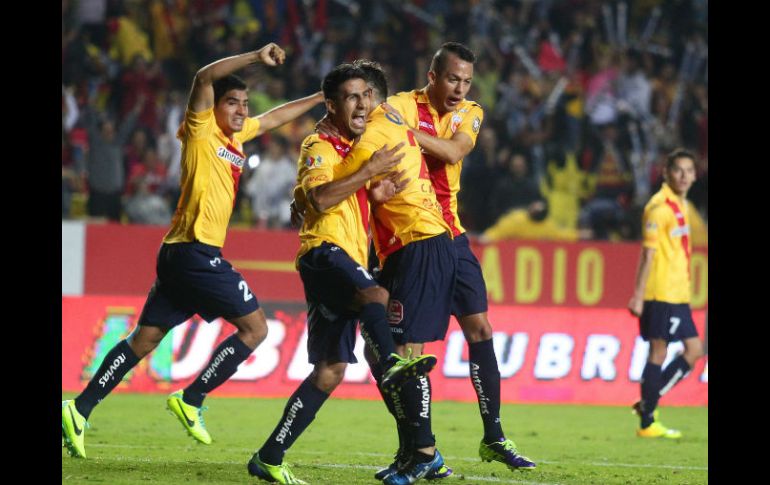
point(134, 440)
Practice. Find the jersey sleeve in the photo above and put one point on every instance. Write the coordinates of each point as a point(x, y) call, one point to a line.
point(249, 131)
point(197, 125)
point(471, 123)
point(653, 225)
point(360, 154)
point(317, 161)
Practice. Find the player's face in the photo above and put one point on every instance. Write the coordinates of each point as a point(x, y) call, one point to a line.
point(681, 175)
point(450, 86)
point(231, 111)
point(349, 110)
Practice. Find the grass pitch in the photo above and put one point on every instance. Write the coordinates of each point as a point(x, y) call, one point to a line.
point(134, 440)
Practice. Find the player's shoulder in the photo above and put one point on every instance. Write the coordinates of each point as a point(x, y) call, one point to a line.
point(470, 106)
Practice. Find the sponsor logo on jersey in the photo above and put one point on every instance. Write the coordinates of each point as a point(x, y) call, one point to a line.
point(231, 157)
point(476, 124)
point(393, 118)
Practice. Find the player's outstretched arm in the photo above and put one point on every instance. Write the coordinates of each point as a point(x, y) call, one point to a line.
point(202, 93)
point(287, 112)
point(330, 194)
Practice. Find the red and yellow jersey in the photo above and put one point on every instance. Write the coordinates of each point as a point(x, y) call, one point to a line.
point(666, 229)
point(416, 109)
point(414, 213)
point(347, 223)
point(212, 165)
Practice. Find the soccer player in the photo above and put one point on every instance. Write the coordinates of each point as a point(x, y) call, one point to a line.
point(332, 264)
point(661, 296)
point(192, 275)
point(414, 247)
point(446, 126)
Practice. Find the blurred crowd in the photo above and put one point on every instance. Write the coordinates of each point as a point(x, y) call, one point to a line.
point(582, 99)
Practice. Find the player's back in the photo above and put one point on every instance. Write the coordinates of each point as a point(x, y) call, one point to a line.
point(414, 213)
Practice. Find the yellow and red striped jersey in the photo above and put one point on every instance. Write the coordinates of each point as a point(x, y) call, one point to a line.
point(212, 165)
point(347, 223)
point(416, 109)
point(666, 229)
point(412, 214)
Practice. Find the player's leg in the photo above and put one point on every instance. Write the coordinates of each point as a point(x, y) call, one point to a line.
point(469, 305)
point(299, 412)
point(421, 282)
point(158, 316)
point(682, 328)
point(208, 284)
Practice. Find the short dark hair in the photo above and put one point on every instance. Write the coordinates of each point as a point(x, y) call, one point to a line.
point(374, 76)
point(225, 84)
point(439, 62)
point(337, 76)
point(677, 154)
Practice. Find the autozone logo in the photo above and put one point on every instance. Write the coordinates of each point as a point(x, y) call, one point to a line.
point(395, 312)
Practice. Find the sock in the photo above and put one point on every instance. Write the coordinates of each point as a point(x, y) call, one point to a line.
point(485, 377)
point(113, 368)
point(299, 412)
point(421, 457)
point(392, 401)
point(652, 379)
point(416, 396)
point(673, 373)
point(223, 364)
point(376, 333)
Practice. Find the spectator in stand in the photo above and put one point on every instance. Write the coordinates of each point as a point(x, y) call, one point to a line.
point(270, 185)
point(106, 172)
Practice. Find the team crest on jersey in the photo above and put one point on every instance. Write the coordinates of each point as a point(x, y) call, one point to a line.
point(456, 120)
point(313, 162)
point(231, 157)
point(393, 118)
point(476, 124)
point(395, 312)
point(651, 226)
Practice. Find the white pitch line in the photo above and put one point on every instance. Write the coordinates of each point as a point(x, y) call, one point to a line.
point(333, 465)
point(447, 457)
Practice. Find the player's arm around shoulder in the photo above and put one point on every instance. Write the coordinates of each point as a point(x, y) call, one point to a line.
point(453, 149)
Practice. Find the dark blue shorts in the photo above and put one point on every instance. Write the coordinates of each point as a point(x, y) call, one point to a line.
point(195, 278)
point(470, 296)
point(668, 321)
point(420, 278)
point(331, 279)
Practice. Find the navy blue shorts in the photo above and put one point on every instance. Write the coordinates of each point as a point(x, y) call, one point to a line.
point(470, 296)
point(195, 278)
point(331, 279)
point(420, 278)
point(668, 321)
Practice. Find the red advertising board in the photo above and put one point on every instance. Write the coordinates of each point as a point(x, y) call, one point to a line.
point(120, 260)
point(545, 354)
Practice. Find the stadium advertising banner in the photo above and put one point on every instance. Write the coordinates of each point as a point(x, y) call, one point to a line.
point(545, 354)
point(120, 260)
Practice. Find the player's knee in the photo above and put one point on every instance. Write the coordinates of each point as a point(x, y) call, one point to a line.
point(476, 328)
point(375, 294)
point(252, 328)
point(658, 351)
point(693, 351)
point(327, 378)
point(144, 339)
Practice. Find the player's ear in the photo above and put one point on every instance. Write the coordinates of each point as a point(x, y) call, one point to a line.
point(431, 77)
point(330, 107)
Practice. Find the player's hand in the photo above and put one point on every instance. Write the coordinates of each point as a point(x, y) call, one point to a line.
point(297, 214)
point(635, 305)
point(381, 191)
point(271, 55)
point(383, 160)
point(326, 127)
point(398, 180)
